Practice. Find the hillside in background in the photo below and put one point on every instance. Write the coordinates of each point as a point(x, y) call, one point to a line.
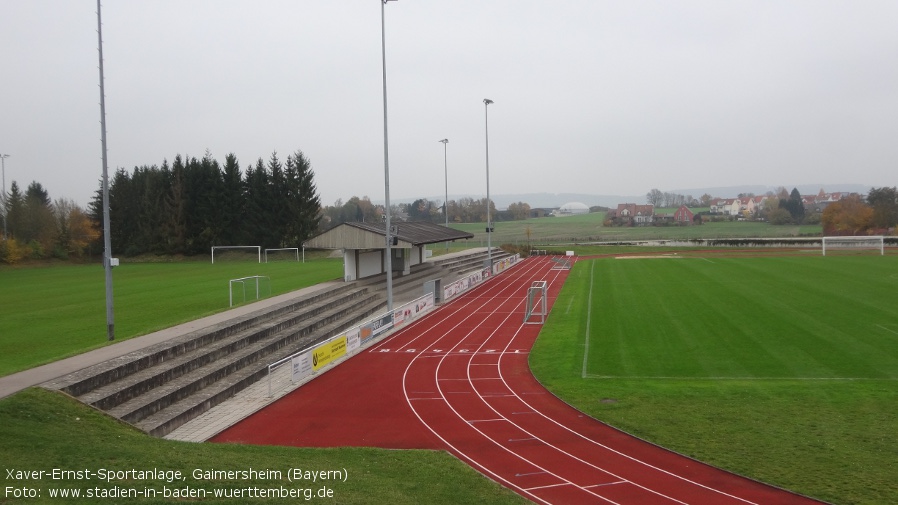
point(554, 200)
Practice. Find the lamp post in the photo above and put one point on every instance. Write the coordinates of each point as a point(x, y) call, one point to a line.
point(389, 239)
point(3, 195)
point(446, 176)
point(107, 241)
point(489, 224)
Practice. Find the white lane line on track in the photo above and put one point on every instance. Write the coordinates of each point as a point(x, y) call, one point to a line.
point(604, 446)
point(614, 451)
point(519, 302)
point(474, 463)
point(552, 446)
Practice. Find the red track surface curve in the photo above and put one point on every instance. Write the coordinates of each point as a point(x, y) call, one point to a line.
point(458, 380)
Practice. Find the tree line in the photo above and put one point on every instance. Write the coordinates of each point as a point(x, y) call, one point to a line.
point(462, 210)
point(855, 215)
point(36, 227)
point(190, 205)
point(180, 208)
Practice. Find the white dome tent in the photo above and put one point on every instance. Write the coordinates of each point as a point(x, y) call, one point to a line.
point(572, 209)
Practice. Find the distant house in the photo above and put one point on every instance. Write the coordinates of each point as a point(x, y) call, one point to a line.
point(683, 215)
point(822, 200)
point(726, 206)
point(633, 214)
point(736, 206)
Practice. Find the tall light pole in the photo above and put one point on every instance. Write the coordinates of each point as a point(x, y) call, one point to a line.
point(3, 195)
point(489, 224)
point(107, 240)
point(389, 239)
point(446, 176)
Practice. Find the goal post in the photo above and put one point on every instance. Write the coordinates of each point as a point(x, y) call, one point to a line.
point(537, 303)
point(261, 284)
point(855, 243)
point(221, 247)
point(285, 252)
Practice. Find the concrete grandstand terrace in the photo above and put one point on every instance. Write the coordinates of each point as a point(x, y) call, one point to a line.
point(159, 381)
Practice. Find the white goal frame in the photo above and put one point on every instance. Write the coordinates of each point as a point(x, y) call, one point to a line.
point(856, 242)
point(537, 303)
point(282, 249)
point(242, 282)
point(256, 247)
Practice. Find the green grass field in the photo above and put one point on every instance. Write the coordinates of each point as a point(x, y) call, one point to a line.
point(784, 369)
point(42, 430)
point(56, 311)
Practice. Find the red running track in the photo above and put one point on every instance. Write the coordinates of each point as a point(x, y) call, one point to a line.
point(458, 380)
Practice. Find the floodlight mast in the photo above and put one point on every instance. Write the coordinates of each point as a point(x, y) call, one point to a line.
point(489, 224)
point(107, 241)
point(389, 240)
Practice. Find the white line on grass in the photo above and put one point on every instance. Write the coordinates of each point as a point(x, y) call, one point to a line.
point(888, 329)
point(588, 317)
point(663, 377)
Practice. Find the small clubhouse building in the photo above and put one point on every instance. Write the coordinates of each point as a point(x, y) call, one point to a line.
point(364, 245)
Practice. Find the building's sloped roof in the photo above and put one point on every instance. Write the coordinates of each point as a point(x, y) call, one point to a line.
point(364, 235)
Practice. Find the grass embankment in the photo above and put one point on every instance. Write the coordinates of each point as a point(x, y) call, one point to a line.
point(782, 369)
point(42, 430)
point(56, 311)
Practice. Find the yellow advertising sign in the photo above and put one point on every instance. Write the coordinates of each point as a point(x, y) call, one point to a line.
point(325, 353)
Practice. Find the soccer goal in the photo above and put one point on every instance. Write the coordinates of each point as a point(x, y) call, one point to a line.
point(858, 243)
point(282, 254)
point(242, 255)
point(537, 303)
point(238, 288)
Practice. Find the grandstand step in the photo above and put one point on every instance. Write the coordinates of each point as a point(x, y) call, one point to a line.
point(114, 393)
point(178, 388)
point(84, 381)
point(163, 421)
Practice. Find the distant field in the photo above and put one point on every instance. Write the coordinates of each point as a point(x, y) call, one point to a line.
point(784, 369)
point(588, 228)
point(56, 311)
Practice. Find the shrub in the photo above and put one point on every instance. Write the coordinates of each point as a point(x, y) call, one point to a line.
point(12, 252)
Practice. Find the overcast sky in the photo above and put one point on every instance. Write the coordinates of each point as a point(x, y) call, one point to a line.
point(591, 96)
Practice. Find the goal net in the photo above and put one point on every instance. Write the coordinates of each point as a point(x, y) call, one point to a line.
point(854, 244)
point(237, 253)
point(254, 287)
point(282, 254)
point(537, 303)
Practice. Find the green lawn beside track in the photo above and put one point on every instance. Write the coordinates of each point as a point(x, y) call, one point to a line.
point(782, 369)
point(43, 430)
point(56, 311)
